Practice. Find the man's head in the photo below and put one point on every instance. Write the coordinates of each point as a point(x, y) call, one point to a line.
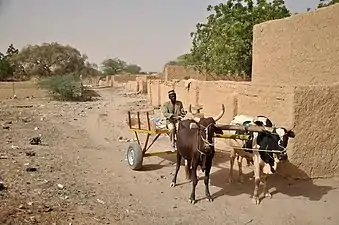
point(172, 96)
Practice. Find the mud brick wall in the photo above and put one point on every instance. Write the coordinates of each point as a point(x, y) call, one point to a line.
point(124, 78)
point(21, 90)
point(186, 96)
point(213, 94)
point(153, 92)
point(132, 86)
point(314, 151)
point(142, 84)
point(157, 91)
point(299, 50)
point(274, 102)
point(238, 98)
point(181, 72)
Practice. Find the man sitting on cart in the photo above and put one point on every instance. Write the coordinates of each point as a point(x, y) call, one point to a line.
point(173, 111)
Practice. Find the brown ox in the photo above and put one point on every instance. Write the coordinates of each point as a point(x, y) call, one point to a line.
point(265, 162)
point(195, 143)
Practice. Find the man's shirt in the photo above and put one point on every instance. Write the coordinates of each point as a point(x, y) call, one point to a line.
point(168, 110)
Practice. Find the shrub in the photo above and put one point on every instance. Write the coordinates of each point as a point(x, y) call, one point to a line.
point(64, 87)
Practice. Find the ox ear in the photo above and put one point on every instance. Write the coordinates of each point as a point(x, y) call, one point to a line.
point(217, 130)
point(193, 126)
point(291, 134)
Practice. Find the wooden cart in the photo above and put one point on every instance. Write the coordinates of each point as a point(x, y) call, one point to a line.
point(137, 151)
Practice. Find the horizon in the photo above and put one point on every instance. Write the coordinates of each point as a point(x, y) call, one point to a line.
point(148, 34)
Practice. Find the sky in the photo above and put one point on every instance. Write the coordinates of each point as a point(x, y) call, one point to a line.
point(145, 32)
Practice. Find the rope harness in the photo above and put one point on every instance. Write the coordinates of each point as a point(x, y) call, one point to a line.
point(266, 150)
point(206, 143)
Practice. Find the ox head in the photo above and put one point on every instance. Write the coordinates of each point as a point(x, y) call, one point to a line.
point(277, 140)
point(283, 136)
point(206, 129)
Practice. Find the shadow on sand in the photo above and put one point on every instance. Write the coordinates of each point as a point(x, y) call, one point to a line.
point(276, 183)
point(288, 186)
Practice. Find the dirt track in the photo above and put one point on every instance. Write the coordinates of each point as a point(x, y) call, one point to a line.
point(81, 151)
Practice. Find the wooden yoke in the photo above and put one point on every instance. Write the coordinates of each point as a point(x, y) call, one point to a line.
point(245, 128)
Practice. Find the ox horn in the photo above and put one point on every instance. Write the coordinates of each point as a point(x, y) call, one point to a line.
point(220, 114)
point(291, 128)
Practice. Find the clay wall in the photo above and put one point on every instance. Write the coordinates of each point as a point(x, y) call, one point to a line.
point(21, 90)
point(180, 72)
point(314, 152)
point(124, 78)
point(238, 98)
point(132, 86)
point(299, 50)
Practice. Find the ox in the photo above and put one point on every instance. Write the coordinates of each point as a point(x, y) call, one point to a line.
point(265, 162)
point(240, 154)
point(195, 143)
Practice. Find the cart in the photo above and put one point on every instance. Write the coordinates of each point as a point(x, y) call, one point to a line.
point(136, 151)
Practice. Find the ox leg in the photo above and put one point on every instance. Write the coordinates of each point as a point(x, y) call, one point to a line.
point(195, 181)
point(267, 194)
point(188, 170)
point(232, 159)
point(256, 179)
point(174, 180)
point(239, 160)
point(207, 179)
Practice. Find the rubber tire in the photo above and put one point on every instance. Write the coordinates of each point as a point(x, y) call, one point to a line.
point(138, 156)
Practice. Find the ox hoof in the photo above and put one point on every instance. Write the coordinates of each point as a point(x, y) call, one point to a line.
point(209, 199)
point(256, 200)
point(268, 195)
point(192, 201)
point(230, 180)
point(241, 180)
point(172, 184)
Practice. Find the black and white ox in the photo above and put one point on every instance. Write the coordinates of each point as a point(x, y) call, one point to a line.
point(195, 143)
point(258, 150)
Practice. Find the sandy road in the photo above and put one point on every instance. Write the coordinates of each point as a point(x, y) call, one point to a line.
point(82, 151)
point(148, 199)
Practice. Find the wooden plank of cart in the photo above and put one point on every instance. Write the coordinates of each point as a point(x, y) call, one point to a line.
point(139, 123)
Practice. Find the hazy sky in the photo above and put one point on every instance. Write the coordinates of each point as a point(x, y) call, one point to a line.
point(145, 32)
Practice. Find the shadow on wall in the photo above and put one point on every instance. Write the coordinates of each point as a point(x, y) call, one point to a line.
point(290, 187)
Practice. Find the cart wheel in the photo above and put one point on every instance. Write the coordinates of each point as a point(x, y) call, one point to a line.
point(134, 156)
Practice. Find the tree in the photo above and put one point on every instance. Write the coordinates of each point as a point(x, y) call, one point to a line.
point(133, 69)
point(113, 66)
point(7, 67)
point(51, 59)
point(223, 45)
point(116, 66)
point(181, 60)
point(324, 3)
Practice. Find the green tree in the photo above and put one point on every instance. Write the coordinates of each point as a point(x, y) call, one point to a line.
point(51, 59)
point(7, 67)
point(132, 69)
point(181, 60)
point(223, 45)
point(113, 66)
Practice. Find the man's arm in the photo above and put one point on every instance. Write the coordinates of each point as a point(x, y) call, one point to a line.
point(182, 110)
point(166, 112)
